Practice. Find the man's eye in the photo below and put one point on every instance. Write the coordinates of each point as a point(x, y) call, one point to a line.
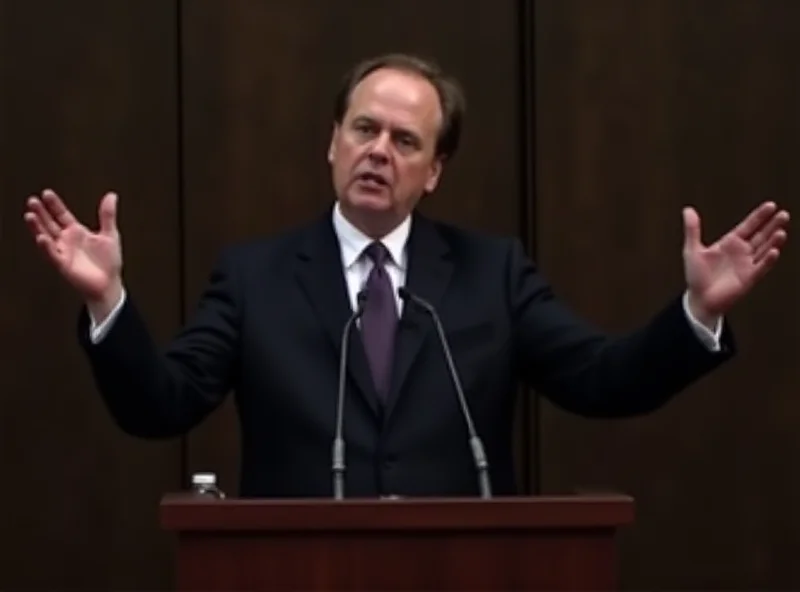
point(406, 141)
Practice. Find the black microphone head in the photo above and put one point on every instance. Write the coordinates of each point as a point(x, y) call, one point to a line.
point(361, 297)
point(414, 299)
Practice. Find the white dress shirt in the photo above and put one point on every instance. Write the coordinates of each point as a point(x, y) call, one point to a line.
point(357, 266)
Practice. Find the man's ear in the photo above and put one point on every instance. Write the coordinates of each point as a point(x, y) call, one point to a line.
point(435, 175)
point(332, 145)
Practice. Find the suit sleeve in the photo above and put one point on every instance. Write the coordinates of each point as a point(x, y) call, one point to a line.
point(157, 393)
point(587, 372)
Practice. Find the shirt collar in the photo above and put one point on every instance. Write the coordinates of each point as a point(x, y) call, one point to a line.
point(353, 241)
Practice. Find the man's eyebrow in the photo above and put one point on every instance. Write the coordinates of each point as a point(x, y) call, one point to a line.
point(395, 129)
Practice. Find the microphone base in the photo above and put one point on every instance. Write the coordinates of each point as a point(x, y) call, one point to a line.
point(484, 485)
point(338, 486)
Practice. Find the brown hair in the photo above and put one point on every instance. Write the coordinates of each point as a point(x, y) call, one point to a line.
point(451, 96)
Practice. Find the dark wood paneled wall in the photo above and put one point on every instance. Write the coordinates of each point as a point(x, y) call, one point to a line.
point(211, 119)
point(89, 104)
point(642, 108)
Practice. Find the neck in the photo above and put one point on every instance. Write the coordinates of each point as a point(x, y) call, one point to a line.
point(372, 224)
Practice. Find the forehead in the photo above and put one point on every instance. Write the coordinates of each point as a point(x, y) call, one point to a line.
point(398, 98)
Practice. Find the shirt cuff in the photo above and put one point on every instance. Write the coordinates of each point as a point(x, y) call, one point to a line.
point(711, 339)
point(97, 332)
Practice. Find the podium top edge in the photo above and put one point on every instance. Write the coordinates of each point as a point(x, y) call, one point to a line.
point(184, 512)
point(180, 498)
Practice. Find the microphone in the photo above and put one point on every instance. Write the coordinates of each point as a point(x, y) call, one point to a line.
point(338, 441)
point(478, 453)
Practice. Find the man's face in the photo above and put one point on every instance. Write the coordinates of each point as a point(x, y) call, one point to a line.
point(383, 154)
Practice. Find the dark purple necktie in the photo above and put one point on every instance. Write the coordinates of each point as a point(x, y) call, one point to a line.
point(379, 321)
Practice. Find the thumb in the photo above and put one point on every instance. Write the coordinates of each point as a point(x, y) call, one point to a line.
point(691, 229)
point(108, 213)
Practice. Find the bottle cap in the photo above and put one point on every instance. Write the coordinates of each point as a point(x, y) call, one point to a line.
point(204, 479)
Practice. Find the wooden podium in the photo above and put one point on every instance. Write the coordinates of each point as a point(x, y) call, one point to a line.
point(514, 543)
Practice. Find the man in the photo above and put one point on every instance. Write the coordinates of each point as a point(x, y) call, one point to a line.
point(270, 323)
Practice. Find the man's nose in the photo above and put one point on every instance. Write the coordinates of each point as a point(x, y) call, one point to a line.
point(379, 150)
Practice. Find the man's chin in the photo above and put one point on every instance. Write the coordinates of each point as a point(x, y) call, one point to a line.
point(370, 202)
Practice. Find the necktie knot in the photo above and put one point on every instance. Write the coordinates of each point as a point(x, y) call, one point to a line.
point(378, 253)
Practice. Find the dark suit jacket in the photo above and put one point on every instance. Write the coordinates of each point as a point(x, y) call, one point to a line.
point(269, 326)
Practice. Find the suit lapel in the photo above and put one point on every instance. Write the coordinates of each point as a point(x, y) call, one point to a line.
point(428, 275)
point(320, 274)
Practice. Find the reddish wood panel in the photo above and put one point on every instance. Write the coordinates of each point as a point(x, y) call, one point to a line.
point(519, 543)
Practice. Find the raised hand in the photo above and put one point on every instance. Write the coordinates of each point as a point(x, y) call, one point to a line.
point(719, 275)
point(90, 261)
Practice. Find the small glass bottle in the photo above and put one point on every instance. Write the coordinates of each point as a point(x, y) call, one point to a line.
point(206, 484)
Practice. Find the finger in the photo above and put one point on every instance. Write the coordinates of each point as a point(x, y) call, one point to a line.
point(108, 213)
point(775, 242)
point(57, 209)
point(691, 229)
point(35, 225)
point(47, 222)
point(755, 220)
point(765, 265)
point(777, 221)
point(48, 246)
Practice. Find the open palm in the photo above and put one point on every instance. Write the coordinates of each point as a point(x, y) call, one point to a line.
point(90, 261)
point(720, 274)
